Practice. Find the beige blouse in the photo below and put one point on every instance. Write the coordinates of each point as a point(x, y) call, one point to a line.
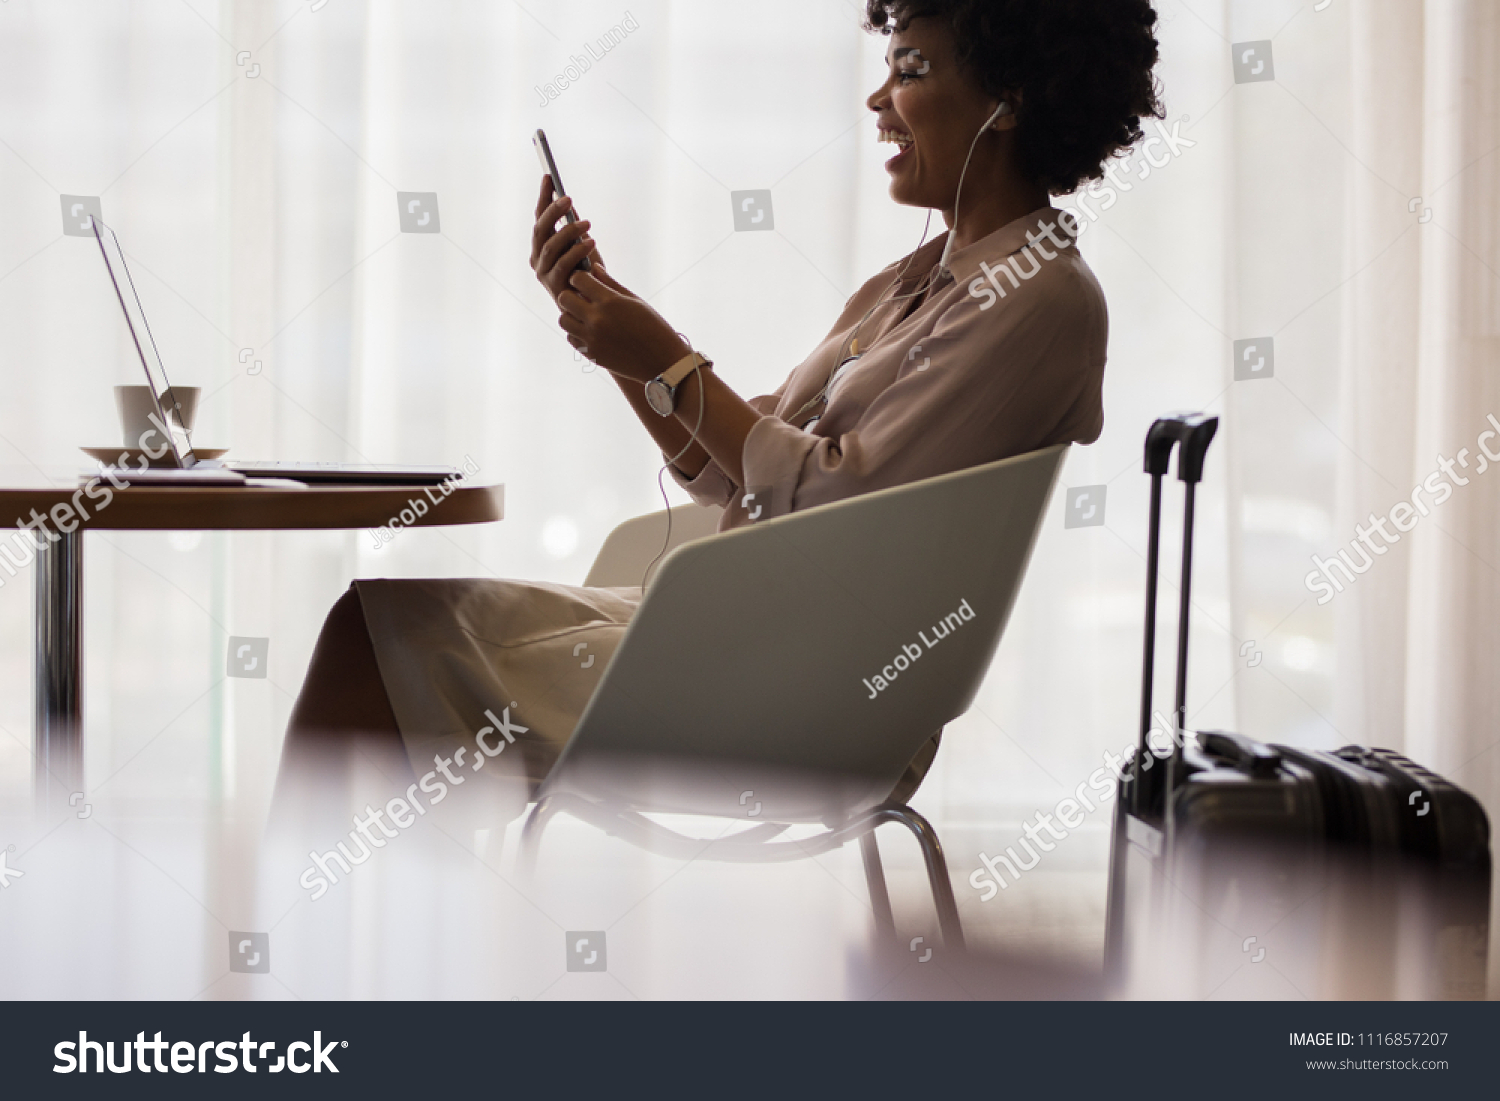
point(1003, 356)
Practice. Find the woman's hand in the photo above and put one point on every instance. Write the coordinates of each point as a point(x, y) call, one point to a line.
point(555, 253)
point(602, 318)
point(617, 330)
point(623, 334)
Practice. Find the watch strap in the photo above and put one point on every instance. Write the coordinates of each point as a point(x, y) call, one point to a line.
point(685, 366)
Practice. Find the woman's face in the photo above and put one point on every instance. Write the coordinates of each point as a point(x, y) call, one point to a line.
point(932, 111)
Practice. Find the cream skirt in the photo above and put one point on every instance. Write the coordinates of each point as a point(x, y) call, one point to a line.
point(517, 658)
point(491, 677)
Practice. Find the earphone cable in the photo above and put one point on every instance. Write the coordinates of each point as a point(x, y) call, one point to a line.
point(662, 487)
point(851, 342)
point(959, 193)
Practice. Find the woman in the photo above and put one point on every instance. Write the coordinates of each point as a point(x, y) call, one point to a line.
point(986, 342)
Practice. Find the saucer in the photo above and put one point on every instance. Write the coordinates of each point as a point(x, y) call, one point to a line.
point(111, 456)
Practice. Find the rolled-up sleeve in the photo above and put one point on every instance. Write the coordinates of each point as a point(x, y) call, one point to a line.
point(984, 385)
point(712, 486)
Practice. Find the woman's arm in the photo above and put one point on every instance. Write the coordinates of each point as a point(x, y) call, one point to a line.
point(669, 435)
point(623, 334)
point(727, 420)
point(630, 339)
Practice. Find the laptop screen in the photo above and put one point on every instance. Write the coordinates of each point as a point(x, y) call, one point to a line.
point(170, 426)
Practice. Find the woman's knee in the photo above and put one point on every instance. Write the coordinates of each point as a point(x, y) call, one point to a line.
point(344, 639)
point(343, 689)
point(346, 614)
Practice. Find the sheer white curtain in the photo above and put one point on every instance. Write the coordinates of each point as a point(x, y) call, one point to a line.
point(1417, 634)
point(1453, 701)
point(250, 153)
point(1420, 379)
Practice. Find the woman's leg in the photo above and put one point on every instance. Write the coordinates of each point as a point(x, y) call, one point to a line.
point(343, 699)
point(342, 722)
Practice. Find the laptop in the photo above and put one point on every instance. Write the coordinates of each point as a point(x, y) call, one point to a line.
point(186, 466)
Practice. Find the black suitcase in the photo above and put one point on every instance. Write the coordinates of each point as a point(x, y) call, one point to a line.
point(1369, 874)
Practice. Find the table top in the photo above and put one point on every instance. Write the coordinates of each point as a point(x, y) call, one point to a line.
point(244, 508)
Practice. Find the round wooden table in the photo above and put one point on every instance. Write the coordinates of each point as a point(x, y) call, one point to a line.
point(57, 518)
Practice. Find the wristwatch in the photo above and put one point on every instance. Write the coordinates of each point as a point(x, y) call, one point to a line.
point(661, 392)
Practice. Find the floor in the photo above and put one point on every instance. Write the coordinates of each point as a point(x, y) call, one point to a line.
point(136, 895)
point(169, 875)
point(139, 895)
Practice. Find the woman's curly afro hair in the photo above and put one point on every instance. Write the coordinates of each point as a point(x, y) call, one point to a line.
point(1082, 68)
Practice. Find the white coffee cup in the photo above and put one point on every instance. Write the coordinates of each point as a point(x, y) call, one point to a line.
point(137, 409)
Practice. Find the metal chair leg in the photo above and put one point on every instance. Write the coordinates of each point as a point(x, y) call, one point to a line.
point(531, 834)
point(548, 807)
point(937, 871)
point(880, 898)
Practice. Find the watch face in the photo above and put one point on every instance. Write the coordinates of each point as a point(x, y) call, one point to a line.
point(659, 397)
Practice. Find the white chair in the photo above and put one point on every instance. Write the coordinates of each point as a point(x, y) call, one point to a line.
point(787, 672)
point(635, 544)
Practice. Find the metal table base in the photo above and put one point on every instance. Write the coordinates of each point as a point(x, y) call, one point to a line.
point(58, 724)
point(57, 730)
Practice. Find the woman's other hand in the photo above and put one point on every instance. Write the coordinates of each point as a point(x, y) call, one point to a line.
point(617, 330)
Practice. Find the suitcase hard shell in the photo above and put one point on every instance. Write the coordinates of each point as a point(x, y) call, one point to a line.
point(1367, 863)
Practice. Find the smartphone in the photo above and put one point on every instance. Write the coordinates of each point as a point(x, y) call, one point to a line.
point(549, 166)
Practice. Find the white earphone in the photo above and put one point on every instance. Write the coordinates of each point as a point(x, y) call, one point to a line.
point(1003, 109)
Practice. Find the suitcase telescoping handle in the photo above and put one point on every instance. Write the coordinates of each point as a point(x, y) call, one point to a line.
point(1149, 787)
point(1193, 432)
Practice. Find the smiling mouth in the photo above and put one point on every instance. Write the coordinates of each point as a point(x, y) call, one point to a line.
point(899, 138)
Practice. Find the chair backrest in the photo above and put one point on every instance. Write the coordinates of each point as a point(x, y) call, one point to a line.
point(632, 546)
point(807, 658)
